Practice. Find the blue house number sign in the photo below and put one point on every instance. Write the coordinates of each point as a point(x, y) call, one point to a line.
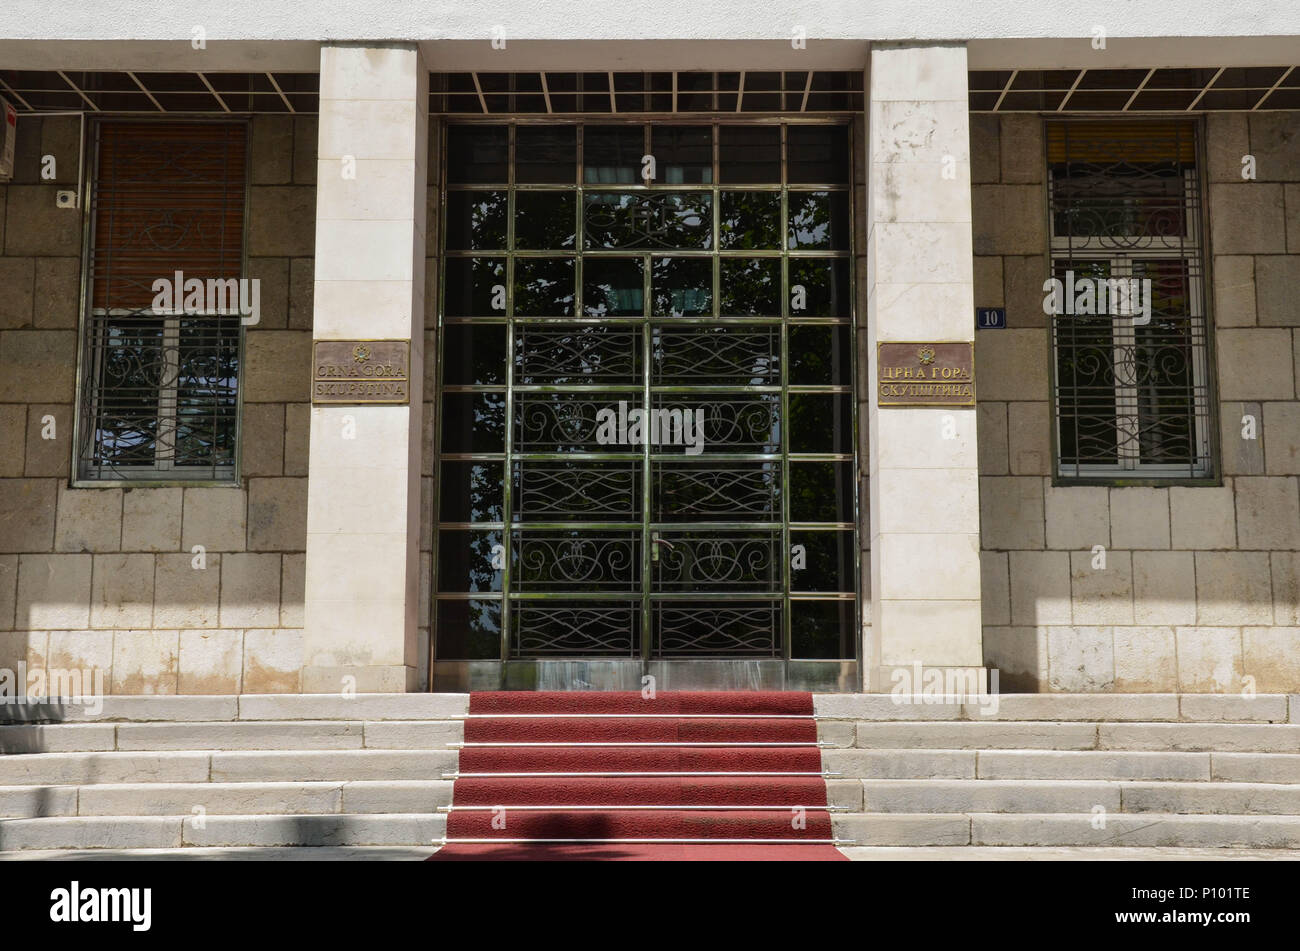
point(990, 318)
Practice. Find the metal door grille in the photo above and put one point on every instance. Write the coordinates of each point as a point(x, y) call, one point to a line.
point(572, 289)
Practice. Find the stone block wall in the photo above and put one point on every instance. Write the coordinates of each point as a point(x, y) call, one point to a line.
point(1201, 589)
point(103, 577)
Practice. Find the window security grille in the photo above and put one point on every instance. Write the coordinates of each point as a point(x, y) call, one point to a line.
point(1131, 373)
point(159, 392)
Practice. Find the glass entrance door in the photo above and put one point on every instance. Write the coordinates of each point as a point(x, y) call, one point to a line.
point(647, 417)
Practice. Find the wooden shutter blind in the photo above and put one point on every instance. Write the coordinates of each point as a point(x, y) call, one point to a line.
point(1108, 143)
point(167, 196)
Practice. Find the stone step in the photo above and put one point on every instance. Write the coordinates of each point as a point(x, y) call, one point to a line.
point(1067, 796)
point(986, 853)
point(843, 734)
point(968, 735)
point(1063, 707)
point(146, 799)
point(81, 769)
point(1098, 764)
point(78, 769)
point(1147, 829)
point(232, 735)
point(1112, 765)
point(169, 832)
point(1028, 734)
point(289, 766)
point(248, 853)
point(144, 709)
point(1262, 708)
point(986, 795)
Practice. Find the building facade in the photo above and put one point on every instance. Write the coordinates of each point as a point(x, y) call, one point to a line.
point(415, 355)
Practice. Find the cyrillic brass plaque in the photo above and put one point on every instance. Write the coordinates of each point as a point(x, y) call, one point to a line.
point(358, 372)
point(925, 374)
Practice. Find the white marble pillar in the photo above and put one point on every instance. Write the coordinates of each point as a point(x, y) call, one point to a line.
point(363, 499)
point(924, 478)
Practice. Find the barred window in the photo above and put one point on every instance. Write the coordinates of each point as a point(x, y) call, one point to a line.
point(1131, 368)
point(159, 388)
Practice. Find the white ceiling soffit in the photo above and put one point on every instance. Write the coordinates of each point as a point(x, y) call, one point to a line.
point(422, 20)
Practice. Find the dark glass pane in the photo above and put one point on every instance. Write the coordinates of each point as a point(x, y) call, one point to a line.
point(719, 560)
point(562, 491)
point(572, 560)
point(476, 221)
point(819, 287)
point(544, 221)
point(749, 155)
point(821, 422)
point(750, 221)
point(544, 287)
point(207, 387)
point(1163, 365)
point(477, 153)
point(821, 561)
point(717, 491)
point(717, 628)
point(613, 287)
point(818, 220)
point(586, 628)
point(573, 422)
point(820, 355)
point(473, 422)
point(474, 354)
point(822, 630)
point(649, 221)
point(1085, 376)
point(821, 492)
point(469, 630)
point(818, 154)
point(750, 287)
point(474, 287)
point(546, 154)
point(737, 354)
point(749, 422)
point(611, 155)
point(471, 492)
point(561, 355)
point(132, 365)
point(681, 287)
point(683, 154)
point(1118, 202)
point(470, 560)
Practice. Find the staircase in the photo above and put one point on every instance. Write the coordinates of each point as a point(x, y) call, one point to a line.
point(398, 774)
point(615, 775)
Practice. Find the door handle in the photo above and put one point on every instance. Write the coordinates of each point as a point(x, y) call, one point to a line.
point(655, 542)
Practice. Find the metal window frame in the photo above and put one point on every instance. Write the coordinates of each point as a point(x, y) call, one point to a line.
point(1150, 476)
point(578, 188)
point(151, 477)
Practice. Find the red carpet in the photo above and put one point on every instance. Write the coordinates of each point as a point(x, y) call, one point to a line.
point(592, 776)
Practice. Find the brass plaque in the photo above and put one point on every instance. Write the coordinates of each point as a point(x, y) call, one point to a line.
point(359, 372)
point(925, 374)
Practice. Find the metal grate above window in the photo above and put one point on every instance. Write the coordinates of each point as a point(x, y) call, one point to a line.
point(140, 91)
point(610, 93)
point(1214, 89)
point(1127, 312)
point(159, 393)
